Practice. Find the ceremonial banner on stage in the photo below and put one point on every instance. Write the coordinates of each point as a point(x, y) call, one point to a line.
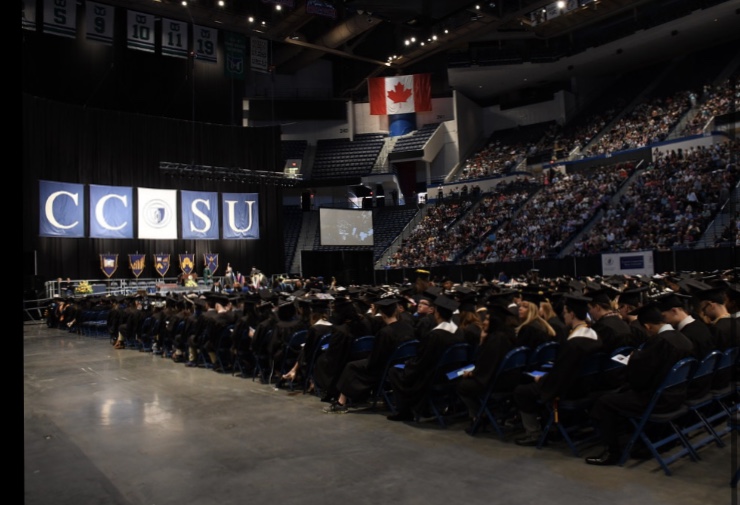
point(241, 216)
point(199, 214)
point(205, 43)
point(99, 19)
point(211, 261)
point(157, 216)
point(140, 31)
point(137, 262)
point(108, 264)
point(28, 15)
point(162, 264)
point(187, 263)
point(400, 94)
point(61, 212)
point(174, 38)
point(111, 212)
point(60, 17)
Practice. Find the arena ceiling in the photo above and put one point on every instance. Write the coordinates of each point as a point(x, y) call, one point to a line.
point(367, 38)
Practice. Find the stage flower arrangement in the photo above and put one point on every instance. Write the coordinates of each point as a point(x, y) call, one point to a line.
point(83, 288)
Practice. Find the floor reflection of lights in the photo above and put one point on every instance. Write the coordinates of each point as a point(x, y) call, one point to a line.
point(115, 412)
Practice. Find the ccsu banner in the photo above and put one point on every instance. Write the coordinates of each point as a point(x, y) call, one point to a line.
point(62, 212)
point(187, 263)
point(157, 215)
point(211, 261)
point(162, 264)
point(199, 215)
point(109, 264)
point(111, 213)
point(241, 216)
point(136, 262)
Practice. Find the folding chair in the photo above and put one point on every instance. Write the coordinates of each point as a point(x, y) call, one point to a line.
point(403, 352)
point(727, 391)
point(321, 347)
point(441, 396)
point(700, 398)
point(262, 363)
point(513, 364)
point(676, 379)
point(291, 351)
point(544, 354)
point(591, 369)
point(224, 359)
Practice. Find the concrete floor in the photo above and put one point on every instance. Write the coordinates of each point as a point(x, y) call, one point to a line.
point(105, 426)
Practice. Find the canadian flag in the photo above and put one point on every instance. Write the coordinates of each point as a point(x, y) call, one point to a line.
point(400, 94)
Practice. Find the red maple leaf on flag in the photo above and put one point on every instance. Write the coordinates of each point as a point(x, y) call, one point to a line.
point(400, 93)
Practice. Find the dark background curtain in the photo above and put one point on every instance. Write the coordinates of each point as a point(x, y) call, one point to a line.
point(69, 143)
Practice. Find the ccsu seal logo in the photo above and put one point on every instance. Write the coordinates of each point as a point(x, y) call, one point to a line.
point(158, 214)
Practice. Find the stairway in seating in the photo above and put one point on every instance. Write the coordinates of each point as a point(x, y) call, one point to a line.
point(309, 228)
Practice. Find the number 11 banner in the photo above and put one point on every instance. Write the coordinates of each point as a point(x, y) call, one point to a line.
point(174, 38)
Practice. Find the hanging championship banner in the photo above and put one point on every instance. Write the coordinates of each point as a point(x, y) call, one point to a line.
point(162, 264)
point(187, 263)
point(28, 15)
point(60, 17)
point(140, 31)
point(136, 262)
point(108, 264)
point(259, 54)
point(205, 43)
point(174, 38)
point(99, 19)
point(236, 55)
point(211, 261)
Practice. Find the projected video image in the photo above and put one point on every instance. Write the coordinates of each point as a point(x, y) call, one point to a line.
point(346, 227)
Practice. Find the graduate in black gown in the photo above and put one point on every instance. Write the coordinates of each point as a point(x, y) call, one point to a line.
point(411, 383)
point(497, 339)
point(646, 369)
point(613, 331)
point(673, 306)
point(560, 381)
point(348, 325)
point(361, 377)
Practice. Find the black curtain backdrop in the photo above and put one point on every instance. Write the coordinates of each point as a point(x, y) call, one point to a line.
point(69, 143)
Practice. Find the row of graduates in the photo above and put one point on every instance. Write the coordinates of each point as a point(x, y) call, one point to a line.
point(493, 321)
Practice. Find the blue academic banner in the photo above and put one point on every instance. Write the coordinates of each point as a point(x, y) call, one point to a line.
point(62, 209)
point(241, 216)
point(199, 215)
point(111, 212)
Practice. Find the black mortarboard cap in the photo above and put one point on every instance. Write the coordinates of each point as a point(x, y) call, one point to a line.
point(445, 302)
point(576, 301)
point(632, 297)
point(432, 292)
point(733, 290)
point(668, 301)
point(716, 295)
point(691, 285)
point(603, 295)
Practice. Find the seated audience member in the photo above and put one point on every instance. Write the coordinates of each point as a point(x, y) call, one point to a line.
point(673, 307)
point(560, 381)
point(497, 339)
point(646, 369)
point(411, 383)
point(360, 377)
point(348, 325)
point(613, 331)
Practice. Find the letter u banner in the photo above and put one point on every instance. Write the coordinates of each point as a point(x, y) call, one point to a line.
point(241, 216)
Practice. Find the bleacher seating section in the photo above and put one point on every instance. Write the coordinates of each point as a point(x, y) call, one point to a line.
point(415, 140)
point(342, 158)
